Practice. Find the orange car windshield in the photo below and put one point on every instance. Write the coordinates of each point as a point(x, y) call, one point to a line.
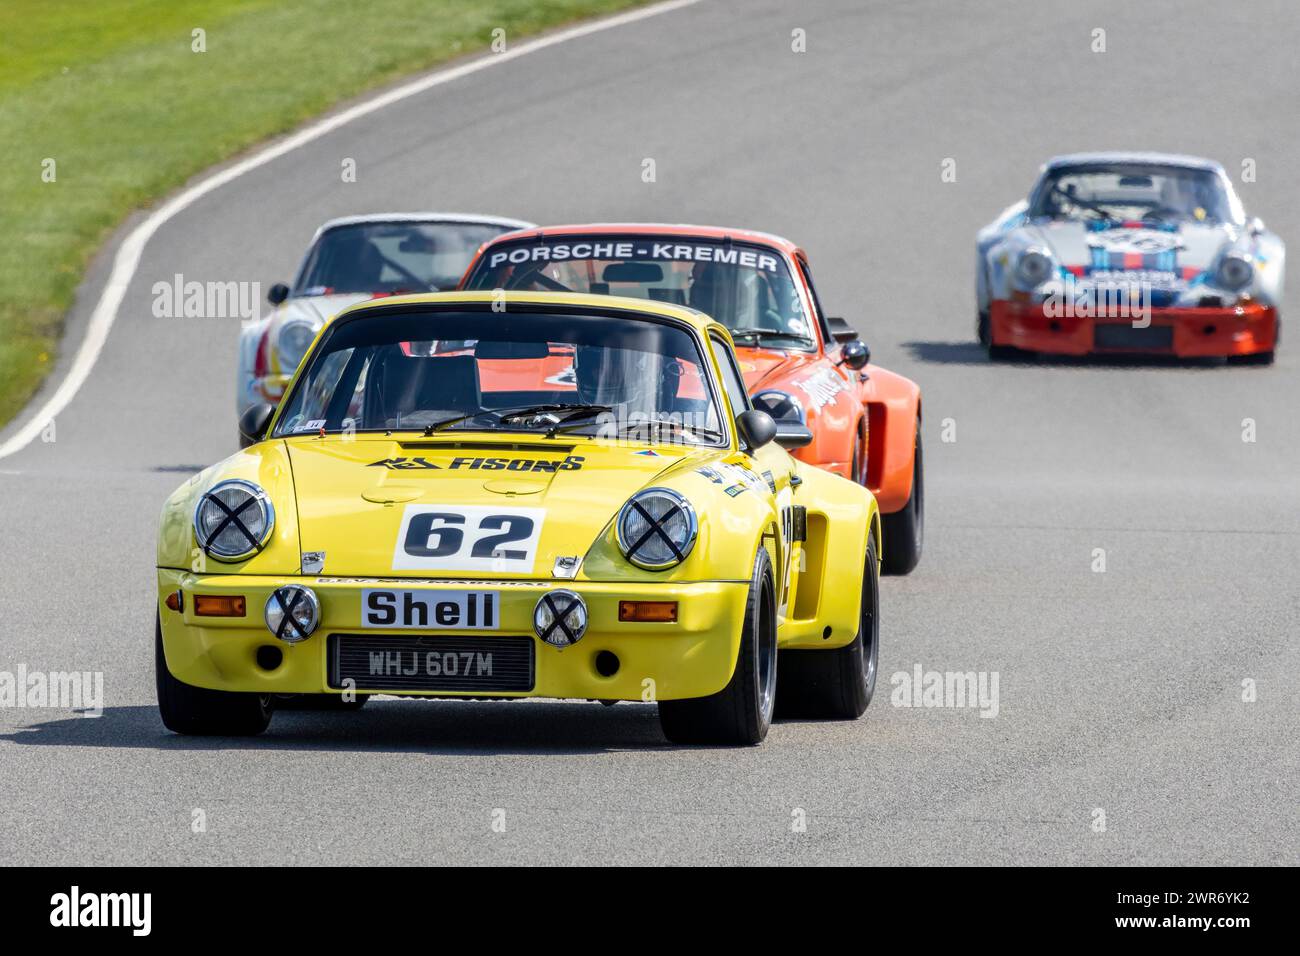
point(514, 371)
point(747, 288)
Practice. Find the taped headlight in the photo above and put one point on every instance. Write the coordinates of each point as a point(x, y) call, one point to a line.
point(1234, 272)
point(1034, 268)
point(233, 520)
point(292, 613)
point(292, 343)
point(782, 406)
point(656, 529)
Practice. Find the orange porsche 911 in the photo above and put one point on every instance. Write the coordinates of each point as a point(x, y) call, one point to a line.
point(810, 372)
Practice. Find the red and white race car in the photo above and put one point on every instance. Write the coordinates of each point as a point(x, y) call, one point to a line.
point(350, 260)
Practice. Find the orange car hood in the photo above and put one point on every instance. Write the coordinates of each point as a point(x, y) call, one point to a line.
point(763, 368)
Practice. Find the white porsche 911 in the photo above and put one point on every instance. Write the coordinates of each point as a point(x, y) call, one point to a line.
point(349, 260)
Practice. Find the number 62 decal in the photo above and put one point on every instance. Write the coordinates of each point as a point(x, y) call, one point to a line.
point(468, 538)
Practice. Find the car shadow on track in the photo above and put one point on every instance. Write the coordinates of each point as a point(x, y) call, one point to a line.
point(972, 353)
point(465, 728)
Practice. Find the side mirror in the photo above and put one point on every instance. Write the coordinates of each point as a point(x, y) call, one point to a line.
point(855, 354)
point(253, 424)
point(756, 428)
point(841, 331)
point(1255, 225)
point(793, 435)
point(277, 293)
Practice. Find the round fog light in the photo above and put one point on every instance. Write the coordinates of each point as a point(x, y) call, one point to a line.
point(292, 613)
point(560, 618)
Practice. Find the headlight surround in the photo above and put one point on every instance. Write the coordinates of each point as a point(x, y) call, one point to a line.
point(1234, 273)
point(656, 529)
point(292, 342)
point(1034, 267)
point(233, 520)
point(782, 406)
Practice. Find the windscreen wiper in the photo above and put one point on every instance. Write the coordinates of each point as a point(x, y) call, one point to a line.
point(521, 411)
point(760, 334)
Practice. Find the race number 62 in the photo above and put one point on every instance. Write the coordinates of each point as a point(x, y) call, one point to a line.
point(468, 538)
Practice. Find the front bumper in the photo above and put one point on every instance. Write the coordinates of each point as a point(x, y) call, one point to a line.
point(1245, 329)
point(693, 657)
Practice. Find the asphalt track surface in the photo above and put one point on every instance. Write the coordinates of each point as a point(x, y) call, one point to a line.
point(1118, 691)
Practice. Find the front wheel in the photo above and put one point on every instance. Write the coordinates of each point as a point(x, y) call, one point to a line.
point(838, 683)
point(199, 711)
point(904, 529)
point(741, 712)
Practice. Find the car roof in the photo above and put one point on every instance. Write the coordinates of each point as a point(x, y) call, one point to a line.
point(1134, 156)
point(684, 230)
point(429, 217)
point(577, 300)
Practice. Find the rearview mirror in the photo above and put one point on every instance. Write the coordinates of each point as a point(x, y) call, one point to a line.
point(855, 354)
point(756, 428)
point(790, 434)
point(277, 293)
point(253, 424)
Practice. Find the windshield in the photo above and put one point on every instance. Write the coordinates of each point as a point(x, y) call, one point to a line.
point(518, 371)
point(392, 257)
point(1133, 191)
point(745, 287)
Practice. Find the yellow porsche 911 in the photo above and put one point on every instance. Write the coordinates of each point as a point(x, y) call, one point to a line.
point(496, 495)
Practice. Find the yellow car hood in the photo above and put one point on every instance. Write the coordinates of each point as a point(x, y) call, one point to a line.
point(357, 496)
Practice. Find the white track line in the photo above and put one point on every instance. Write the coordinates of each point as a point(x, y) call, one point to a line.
point(128, 254)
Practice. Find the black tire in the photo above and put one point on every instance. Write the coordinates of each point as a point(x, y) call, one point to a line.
point(1258, 358)
point(1006, 353)
point(836, 684)
point(320, 702)
point(997, 353)
point(741, 712)
point(199, 711)
point(904, 530)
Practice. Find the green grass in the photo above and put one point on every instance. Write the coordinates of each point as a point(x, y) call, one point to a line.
point(111, 90)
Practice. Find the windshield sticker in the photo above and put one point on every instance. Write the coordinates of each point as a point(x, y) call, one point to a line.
point(654, 251)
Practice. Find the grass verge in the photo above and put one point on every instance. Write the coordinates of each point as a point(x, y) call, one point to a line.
point(115, 95)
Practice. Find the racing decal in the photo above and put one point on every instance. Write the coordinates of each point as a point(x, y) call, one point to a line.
point(648, 453)
point(570, 463)
point(429, 610)
point(771, 481)
point(821, 387)
point(737, 477)
point(404, 464)
point(724, 253)
point(1133, 250)
point(468, 538)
